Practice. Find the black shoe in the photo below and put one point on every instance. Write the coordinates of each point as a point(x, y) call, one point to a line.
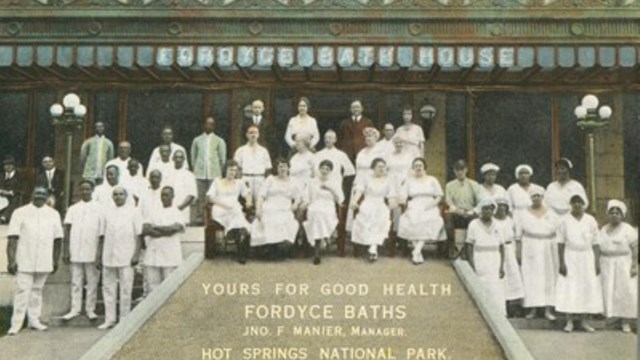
point(316, 261)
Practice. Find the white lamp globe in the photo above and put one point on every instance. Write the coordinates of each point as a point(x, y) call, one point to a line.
point(590, 102)
point(80, 110)
point(56, 110)
point(605, 112)
point(581, 112)
point(71, 100)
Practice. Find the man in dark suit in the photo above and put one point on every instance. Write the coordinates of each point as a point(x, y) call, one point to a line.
point(52, 179)
point(265, 128)
point(10, 189)
point(350, 137)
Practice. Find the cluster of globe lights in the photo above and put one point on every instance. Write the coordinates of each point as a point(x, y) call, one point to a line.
point(589, 115)
point(70, 104)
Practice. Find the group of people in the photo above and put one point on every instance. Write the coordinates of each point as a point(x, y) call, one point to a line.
point(538, 247)
point(524, 242)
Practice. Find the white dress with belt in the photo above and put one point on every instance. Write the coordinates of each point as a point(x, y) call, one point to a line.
point(421, 220)
point(620, 290)
point(277, 223)
point(230, 216)
point(322, 218)
point(372, 223)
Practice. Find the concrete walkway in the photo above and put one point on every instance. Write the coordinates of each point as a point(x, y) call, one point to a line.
point(606, 344)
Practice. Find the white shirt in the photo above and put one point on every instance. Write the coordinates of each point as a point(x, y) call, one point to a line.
point(557, 196)
point(151, 200)
point(579, 234)
point(254, 160)
point(257, 119)
point(36, 228)
point(166, 250)
point(342, 165)
point(298, 125)
point(183, 183)
point(122, 225)
point(386, 146)
point(155, 155)
point(87, 223)
point(50, 176)
point(138, 185)
point(122, 167)
point(166, 169)
point(496, 191)
point(399, 166)
point(413, 136)
point(103, 194)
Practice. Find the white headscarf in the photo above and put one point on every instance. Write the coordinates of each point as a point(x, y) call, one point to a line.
point(615, 203)
point(488, 167)
point(486, 201)
point(525, 167)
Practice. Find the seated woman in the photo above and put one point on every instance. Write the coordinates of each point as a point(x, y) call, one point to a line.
point(322, 195)
point(578, 289)
point(485, 246)
point(224, 194)
point(619, 264)
point(421, 222)
point(275, 225)
point(372, 223)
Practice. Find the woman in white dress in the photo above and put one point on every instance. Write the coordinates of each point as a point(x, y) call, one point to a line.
point(411, 133)
point(518, 193)
point(364, 171)
point(322, 196)
point(275, 224)
point(421, 222)
point(224, 193)
point(536, 230)
point(489, 188)
point(373, 220)
point(485, 247)
point(302, 123)
point(619, 265)
point(559, 191)
point(514, 291)
point(578, 290)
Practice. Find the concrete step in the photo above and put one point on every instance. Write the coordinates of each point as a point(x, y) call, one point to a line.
point(596, 322)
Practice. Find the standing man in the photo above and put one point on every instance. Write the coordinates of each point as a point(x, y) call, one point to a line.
point(266, 134)
point(53, 180)
point(118, 254)
point(33, 251)
point(83, 230)
point(166, 139)
point(163, 252)
point(134, 180)
point(386, 143)
point(208, 154)
point(165, 165)
point(254, 160)
point(122, 161)
point(94, 154)
point(350, 138)
point(104, 192)
point(462, 196)
point(151, 198)
point(10, 189)
point(184, 183)
point(342, 166)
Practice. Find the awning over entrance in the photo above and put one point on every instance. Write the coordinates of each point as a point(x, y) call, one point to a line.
point(185, 61)
point(346, 57)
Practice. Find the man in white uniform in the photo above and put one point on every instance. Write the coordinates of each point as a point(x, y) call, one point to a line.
point(164, 165)
point(122, 161)
point(83, 227)
point(386, 142)
point(162, 228)
point(118, 253)
point(104, 192)
point(33, 251)
point(342, 166)
point(151, 197)
point(184, 183)
point(167, 139)
point(137, 183)
point(254, 160)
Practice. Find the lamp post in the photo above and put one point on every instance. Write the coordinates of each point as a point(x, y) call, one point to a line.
point(69, 116)
point(591, 118)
